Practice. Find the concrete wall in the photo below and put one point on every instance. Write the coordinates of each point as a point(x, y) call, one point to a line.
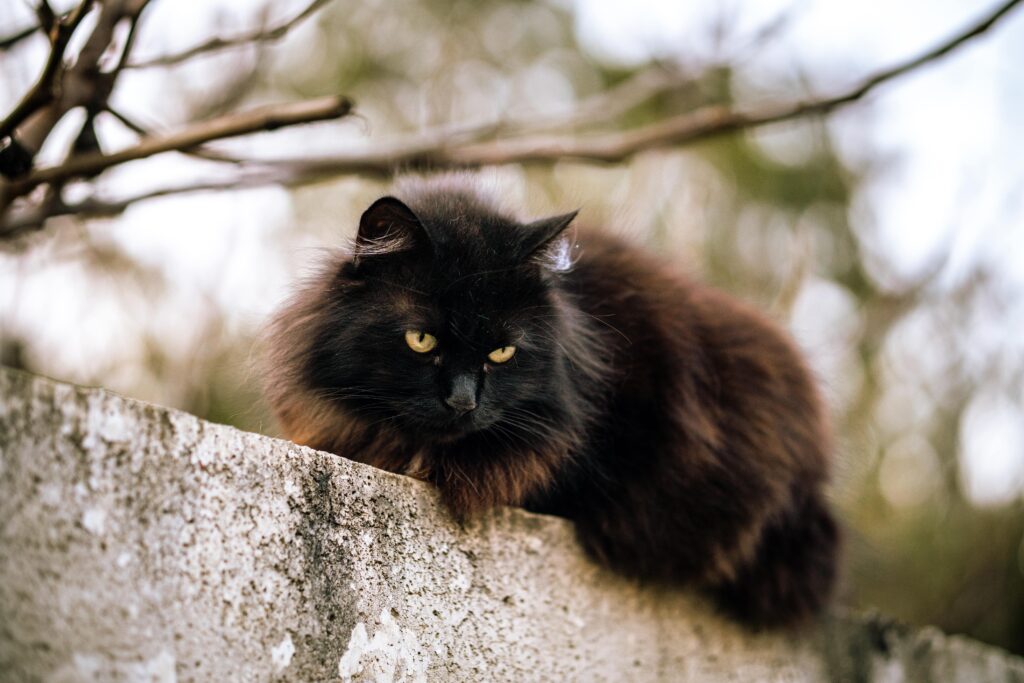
point(142, 544)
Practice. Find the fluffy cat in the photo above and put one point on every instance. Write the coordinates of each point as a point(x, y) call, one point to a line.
point(510, 365)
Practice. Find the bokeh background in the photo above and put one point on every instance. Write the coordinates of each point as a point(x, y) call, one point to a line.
point(888, 236)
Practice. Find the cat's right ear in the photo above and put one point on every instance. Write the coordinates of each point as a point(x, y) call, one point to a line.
point(387, 227)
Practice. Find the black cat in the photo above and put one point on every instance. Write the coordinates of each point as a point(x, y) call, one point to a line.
point(511, 365)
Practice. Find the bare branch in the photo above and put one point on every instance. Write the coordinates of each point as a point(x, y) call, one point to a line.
point(683, 129)
point(199, 152)
point(217, 44)
point(129, 41)
point(431, 153)
point(938, 51)
point(10, 41)
point(62, 88)
point(471, 146)
point(231, 125)
point(42, 91)
point(32, 218)
point(45, 14)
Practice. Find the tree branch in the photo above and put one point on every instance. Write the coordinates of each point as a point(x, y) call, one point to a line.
point(938, 51)
point(42, 91)
point(7, 42)
point(129, 41)
point(217, 44)
point(198, 152)
point(10, 41)
point(31, 218)
point(474, 146)
point(231, 125)
point(687, 128)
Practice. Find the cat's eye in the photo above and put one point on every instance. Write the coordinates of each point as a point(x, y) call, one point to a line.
point(502, 355)
point(420, 341)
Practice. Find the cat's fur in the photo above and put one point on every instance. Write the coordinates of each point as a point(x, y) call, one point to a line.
point(677, 427)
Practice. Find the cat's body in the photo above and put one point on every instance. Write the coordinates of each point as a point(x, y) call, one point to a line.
point(678, 428)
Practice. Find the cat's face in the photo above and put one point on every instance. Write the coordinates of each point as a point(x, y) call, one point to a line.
point(444, 330)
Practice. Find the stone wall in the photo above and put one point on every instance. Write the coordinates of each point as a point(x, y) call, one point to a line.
point(143, 544)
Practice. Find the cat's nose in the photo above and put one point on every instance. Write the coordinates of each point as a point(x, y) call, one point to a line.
point(462, 398)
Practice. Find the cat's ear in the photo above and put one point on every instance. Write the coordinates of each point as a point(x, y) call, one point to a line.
point(546, 243)
point(388, 227)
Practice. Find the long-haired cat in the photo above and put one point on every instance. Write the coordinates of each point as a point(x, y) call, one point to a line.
point(511, 365)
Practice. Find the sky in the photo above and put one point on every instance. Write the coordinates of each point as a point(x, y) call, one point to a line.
point(950, 135)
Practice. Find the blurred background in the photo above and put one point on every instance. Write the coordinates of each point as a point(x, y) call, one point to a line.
point(888, 236)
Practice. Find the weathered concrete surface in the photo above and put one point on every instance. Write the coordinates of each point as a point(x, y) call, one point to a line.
point(142, 544)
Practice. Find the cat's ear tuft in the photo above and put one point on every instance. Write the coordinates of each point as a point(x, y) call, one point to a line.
point(387, 227)
point(546, 242)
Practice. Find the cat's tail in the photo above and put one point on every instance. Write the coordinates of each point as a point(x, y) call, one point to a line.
point(793, 572)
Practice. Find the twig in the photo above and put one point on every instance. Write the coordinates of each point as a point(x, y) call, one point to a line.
point(10, 41)
point(7, 42)
point(217, 44)
point(702, 123)
point(432, 152)
point(231, 125)
point(47, 17)
point(938, 51)
point(199, 152)
point(129, 41)
point(29, 219)
point(15, 38)
point(683, 129)
point(42, 91)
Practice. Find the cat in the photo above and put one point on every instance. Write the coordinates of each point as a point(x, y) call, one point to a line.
point(570, 373)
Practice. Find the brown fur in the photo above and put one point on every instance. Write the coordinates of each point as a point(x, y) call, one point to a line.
point(677, 427)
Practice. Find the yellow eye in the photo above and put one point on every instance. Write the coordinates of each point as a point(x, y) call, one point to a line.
point(420, 342)
point(502, 355)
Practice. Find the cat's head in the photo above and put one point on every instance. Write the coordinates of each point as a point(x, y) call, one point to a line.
point(447, 321)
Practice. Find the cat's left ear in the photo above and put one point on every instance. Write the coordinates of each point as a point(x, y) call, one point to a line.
point(388, 227)
point(544, 240)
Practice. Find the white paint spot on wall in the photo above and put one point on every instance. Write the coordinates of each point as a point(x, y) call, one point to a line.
point(82, 667)
point(114, 428)
point(201, 457)
point(95, 521)
point(104, 424)
point(123, 560)
point(358, 643)
point(51, 495)
point(159, 669)
point(534, 544)
point(282, 654)
point(393, 654)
